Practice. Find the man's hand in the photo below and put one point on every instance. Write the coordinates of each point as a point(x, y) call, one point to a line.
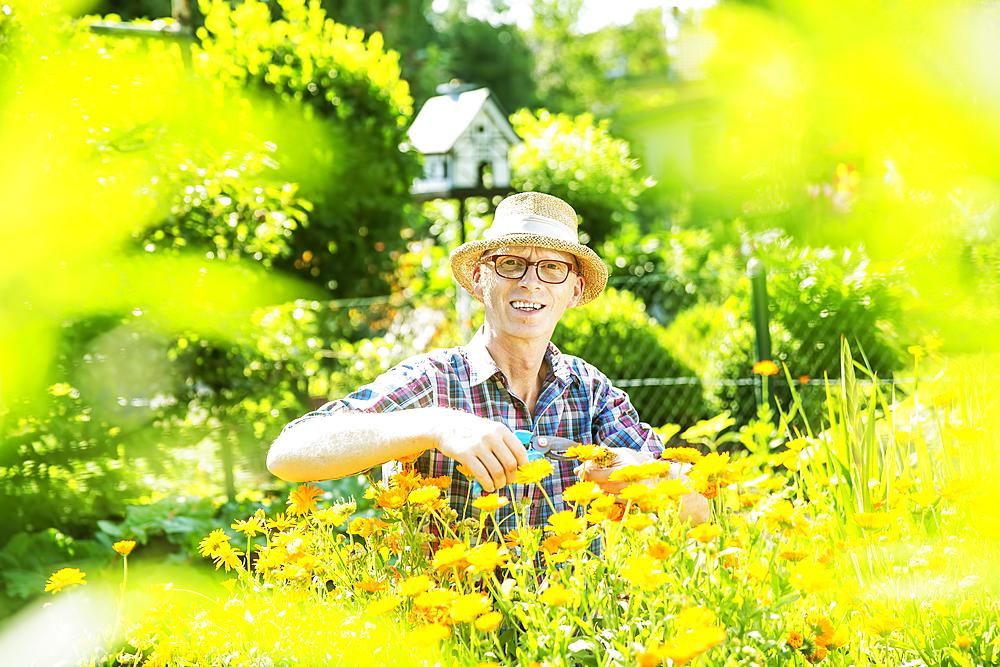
point(487, 448)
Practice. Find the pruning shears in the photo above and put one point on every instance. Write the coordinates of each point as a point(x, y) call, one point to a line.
point(538, 446)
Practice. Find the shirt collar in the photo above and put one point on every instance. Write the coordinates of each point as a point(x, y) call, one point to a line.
point(482, 366)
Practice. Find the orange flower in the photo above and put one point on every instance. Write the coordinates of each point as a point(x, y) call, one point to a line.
point(795, 639)
point(391, 499)
point(302, 499)
point(361, 527)
point(369, 585)
point(660, 550)
point(766, 367)
point(705, 533)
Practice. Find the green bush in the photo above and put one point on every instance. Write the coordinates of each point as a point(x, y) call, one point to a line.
point(615, 334)
point(353, 86)
point(579, 160)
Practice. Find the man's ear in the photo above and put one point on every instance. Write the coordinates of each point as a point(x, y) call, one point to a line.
point(477, 281)
point(578, 288)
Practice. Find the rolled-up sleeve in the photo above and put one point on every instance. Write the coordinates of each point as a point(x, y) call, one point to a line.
point(616, 422)
point(408, 385)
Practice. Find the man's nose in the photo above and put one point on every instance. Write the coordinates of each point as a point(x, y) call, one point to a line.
point(530, 277)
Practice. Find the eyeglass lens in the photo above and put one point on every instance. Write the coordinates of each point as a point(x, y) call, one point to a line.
point(547, 270)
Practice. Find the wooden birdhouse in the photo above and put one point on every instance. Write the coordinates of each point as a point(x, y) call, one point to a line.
point(465, 139)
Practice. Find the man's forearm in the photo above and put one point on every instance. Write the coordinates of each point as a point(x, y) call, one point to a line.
point(337, 445)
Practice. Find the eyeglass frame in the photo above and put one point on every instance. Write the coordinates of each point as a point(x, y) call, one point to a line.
point(492, 259)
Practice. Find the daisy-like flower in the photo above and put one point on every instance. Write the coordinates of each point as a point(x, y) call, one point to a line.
point(582, 493)
point(534, 471)
point(369, 585)
point(489, 621)
point(705, 532)
point(391, 499)
point(486, 557)
point(226, 555)
point(490, 503)
point(871, 520)
point(424, 495)
point(557, 595)
point(644, 572)
point(211, 544)
point(362, 527)
point(453, 556)
point(302, 500)
point(64, 578)
point(636, 473)
point(281, 523)
point(384, 605)
point(414, 585)
point(681, 454)
point(251, 526)
point(469, 607)
point(124, 547)
point(565, 522)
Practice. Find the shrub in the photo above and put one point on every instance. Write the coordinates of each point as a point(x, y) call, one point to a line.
point(579, 160)
point(615, 334)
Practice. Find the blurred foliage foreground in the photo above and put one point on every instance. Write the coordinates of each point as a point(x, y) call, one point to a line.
point(871, 542)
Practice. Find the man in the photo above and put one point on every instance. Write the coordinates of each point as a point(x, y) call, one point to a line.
point(461, 405)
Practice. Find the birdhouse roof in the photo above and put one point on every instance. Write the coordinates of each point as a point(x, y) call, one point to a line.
point(443, 119)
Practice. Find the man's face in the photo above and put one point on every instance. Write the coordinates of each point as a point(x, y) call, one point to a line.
point(526, 307)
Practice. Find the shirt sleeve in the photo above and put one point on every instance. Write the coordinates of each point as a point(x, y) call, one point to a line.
point(408, 385)
point(616, 422)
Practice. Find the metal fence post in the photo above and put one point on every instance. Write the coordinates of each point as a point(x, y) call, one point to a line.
point(761, 320)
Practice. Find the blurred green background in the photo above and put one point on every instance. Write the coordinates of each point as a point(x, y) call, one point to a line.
point(202, 238)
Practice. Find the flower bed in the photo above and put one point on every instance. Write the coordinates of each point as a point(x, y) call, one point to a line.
point(870, 543)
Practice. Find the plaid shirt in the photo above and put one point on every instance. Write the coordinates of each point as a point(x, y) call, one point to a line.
point(577, 401)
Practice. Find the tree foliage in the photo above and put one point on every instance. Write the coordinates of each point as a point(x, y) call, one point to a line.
point(578, 159)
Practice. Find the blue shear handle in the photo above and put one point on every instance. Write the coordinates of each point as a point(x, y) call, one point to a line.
point(533, 455)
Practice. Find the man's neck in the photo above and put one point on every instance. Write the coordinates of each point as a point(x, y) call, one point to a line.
point(522, 362)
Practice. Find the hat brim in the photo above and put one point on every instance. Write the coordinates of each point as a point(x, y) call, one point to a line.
point(595, 273)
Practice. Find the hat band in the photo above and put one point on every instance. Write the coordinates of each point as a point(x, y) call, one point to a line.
point(531, 224)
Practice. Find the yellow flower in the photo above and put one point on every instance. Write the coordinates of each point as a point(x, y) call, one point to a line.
point(963, 641)
point(226, 555)
point(369, 585)
point(693, 617)
point(681, 454)
point(533, 472)
point(882, 623)
point(439, 597)
point(391, 499)
point(280, 523)
point(582, 493)
point(766, 368)
point(635, 492)
point(706, 532)
point(557, 595)
point(642, 471)
point(453, 556)
point(384, 605)
point(566, 521)
point(302, 499)
point(211, 544)
point(431, 633)
point(489, 621)
point(424, 495)
point(689, 644)
point(468, 607)
point(490, 503)
point(124, 547)
point(644, 572)
point(362, 527)
point(584, 452)
point(486, 557)
point(329, 516)
point(250, 527)
point(414, 585)
point(64, 578)
point(638, 522)
point(660, 550)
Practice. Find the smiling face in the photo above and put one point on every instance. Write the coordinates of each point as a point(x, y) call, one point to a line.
point(526, 308)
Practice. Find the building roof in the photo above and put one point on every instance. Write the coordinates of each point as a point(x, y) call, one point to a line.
point(443, 119)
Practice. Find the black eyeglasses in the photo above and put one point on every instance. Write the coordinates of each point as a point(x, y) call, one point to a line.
point(552, 271)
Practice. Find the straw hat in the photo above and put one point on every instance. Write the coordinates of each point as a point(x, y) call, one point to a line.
point(538, 220)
